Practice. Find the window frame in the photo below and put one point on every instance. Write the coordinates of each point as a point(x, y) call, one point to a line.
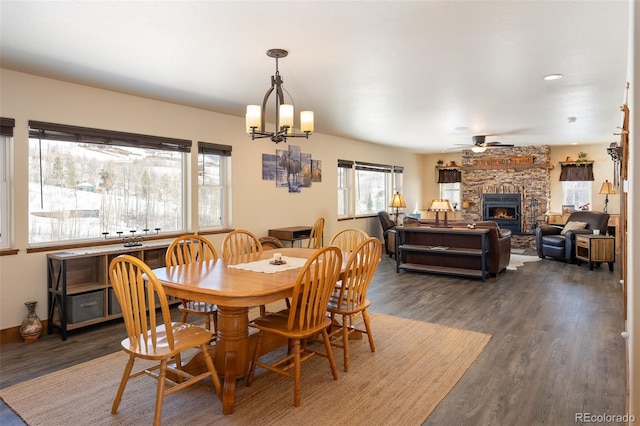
point(224, 162)
point(84, 135)
point(455, 201)
point(587, 189)
point(393, 182)
point(6, 143)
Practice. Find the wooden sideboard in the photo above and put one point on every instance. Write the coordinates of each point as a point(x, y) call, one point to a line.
point(613, 225)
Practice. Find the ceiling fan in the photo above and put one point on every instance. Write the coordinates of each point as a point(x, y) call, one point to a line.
point(480, 144)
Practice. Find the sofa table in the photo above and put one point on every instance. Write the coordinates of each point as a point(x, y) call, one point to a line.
point(595, 249)
point(447, 251)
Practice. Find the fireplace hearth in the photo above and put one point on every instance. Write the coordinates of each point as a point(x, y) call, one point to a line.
point(505, 209)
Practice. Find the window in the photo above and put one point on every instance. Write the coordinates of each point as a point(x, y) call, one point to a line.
point(344, 187)
point(576, 193)
point(365, 188)
point(213, 164)
point(451, 192)
point(6, 134)
point(84, 183)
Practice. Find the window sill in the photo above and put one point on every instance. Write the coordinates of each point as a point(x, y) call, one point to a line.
point(99, 243)
point(8, 252)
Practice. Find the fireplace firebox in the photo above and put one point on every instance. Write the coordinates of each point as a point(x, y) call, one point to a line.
point(505, 209)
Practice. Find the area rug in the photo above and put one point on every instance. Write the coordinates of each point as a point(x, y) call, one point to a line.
point(414, 367)
point(518, 260)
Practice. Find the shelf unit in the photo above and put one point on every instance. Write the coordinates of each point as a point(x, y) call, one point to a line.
point(447, 251)
point(78, 285)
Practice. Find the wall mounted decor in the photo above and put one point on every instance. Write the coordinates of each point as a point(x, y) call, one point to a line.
point(291, 168)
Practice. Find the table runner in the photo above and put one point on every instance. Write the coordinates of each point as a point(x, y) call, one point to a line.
point(267, 268)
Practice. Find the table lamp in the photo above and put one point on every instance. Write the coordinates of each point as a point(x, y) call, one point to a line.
point(606, 188)
point(397, 202)
point(441, 206)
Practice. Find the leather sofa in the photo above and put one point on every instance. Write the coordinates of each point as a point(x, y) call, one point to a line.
point(550, 242)
point(499, 245)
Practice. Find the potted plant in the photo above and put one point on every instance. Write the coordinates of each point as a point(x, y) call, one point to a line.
point(582, 158)
point(439, 163)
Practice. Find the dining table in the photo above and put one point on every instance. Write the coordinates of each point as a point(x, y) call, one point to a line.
point(234, 284)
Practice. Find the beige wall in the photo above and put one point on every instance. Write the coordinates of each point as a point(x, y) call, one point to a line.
point(257, 205)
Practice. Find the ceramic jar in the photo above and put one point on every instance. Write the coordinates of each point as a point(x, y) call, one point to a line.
point(31, 327)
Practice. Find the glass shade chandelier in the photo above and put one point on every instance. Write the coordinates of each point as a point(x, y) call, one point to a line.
point(256, 115)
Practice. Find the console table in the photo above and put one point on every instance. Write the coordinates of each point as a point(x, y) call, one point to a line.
point(291, 234)
point(447, 251)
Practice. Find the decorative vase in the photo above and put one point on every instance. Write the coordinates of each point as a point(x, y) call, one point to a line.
point(31, 327)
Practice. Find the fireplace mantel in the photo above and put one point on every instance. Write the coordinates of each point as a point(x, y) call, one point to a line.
point(496, 163)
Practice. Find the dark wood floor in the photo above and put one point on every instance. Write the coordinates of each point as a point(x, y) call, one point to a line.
point(556, 348)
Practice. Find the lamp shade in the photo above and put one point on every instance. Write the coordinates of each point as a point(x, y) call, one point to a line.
point(607, 188)
point(441, 206)
point(397, 201)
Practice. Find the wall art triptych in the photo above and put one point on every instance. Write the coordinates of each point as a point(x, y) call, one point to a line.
point(291, 168)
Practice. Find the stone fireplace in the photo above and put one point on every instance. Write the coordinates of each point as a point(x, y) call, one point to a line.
point(498, 172)
point(505, 209)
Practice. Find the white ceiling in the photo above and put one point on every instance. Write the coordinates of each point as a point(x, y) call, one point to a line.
point(405, 73)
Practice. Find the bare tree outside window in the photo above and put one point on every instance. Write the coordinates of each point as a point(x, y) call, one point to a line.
point(79, 190)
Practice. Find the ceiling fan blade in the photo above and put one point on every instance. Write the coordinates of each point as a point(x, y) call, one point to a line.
point(499, 145)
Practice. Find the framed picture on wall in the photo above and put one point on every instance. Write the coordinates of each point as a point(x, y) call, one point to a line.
point(568, 208)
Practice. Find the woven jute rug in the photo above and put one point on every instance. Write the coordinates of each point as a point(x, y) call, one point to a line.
point(414, 367)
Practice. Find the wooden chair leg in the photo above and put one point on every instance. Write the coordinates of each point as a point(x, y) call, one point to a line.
point(123, 384)
point(332, 361)
point(296, 373)
point(367, 325)
point(214, 376)
point(215, 322)
point(184, 316)
point(254, 359)
point(345, 341)
point(160, 392)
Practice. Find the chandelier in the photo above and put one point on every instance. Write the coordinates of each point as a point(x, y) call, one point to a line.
point(256, 115)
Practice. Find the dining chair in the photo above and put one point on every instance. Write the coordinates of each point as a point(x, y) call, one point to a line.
point(192, 248)
point(315, 238)
point(270, 243)
point(307, 317)
point(136, 287)
point(348, 239)
point(350, 298)
point(240, 241)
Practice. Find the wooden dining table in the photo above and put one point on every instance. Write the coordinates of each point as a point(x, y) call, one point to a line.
point(234, 291)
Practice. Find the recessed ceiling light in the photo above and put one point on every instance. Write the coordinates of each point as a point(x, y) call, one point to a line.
point(549, 77)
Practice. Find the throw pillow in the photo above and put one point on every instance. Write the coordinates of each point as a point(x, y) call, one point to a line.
point(573, 225)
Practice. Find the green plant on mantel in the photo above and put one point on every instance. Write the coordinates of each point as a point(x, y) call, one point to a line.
point(582, 158)
point(439, 163)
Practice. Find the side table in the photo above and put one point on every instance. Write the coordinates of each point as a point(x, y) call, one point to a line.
point(595, 249)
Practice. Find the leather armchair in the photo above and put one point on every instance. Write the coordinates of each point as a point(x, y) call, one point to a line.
point(388, 232)
point(549, 241)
